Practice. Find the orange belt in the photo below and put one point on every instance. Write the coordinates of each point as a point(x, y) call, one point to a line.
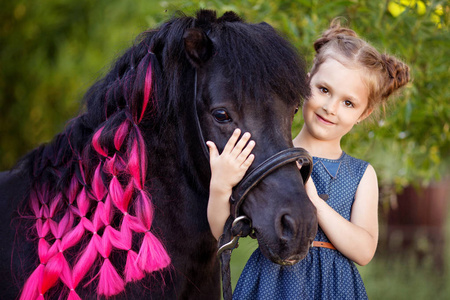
point(323, 245)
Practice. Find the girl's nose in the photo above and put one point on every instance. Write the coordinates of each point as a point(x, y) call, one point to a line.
point(330, 107)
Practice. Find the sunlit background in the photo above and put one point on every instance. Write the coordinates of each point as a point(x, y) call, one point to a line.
point(52, 51)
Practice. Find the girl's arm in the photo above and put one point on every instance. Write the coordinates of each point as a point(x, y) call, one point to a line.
point(227, 169)
point(358, 238)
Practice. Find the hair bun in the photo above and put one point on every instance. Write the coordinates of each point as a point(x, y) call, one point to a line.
point(398, 74)
point(335, 31)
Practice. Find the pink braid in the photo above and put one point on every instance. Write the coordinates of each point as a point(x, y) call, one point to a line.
point(32, 287)
point(110, 283)
point(96, 142)
point(147, 90)
point(90, 202)
point(121, 134)
point(132, 270)
point(98, 187)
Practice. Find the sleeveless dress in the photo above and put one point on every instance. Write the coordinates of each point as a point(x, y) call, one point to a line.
point(324, 273)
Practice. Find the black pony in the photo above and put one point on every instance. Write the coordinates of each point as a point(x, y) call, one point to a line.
point(116, 204)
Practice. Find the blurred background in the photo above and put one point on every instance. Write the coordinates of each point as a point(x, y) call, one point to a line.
point(52, 51)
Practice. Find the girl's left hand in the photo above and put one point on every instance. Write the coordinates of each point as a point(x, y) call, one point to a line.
point(310, 188)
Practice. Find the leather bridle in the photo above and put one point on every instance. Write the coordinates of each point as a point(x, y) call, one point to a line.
point(237, 224)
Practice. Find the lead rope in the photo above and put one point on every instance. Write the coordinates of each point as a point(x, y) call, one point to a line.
point(233, 230)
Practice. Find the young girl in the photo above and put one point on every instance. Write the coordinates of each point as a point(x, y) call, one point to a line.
point(349, 79)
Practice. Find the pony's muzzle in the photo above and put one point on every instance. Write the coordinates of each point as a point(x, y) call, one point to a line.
point(285, 226)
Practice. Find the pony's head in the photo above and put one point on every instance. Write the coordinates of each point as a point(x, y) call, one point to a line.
point(251, 78)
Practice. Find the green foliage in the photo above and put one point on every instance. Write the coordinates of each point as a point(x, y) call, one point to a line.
point(52, 51)
point(410, 142)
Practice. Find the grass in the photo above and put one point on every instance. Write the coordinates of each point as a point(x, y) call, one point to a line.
point(404, 279)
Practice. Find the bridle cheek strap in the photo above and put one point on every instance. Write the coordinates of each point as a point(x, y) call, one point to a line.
point(274, 162)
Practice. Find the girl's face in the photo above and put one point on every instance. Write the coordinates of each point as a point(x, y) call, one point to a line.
point(338, 101)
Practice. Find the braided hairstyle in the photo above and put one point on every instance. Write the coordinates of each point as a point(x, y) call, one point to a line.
point(99, 206)
point(383, 74)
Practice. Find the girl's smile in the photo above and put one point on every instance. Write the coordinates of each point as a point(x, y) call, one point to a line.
point(324, 120)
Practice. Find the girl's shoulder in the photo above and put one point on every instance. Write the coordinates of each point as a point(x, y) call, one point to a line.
point(354, 165)
point(353, 160)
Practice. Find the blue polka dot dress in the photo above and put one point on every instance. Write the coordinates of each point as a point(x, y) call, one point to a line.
point(324, 273)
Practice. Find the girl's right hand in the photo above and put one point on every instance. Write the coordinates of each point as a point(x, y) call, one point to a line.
point(228, 168)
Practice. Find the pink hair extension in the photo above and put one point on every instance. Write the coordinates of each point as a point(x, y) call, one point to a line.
point(116, 193)
point(98, 187)
point(147, 89)
point(132, 270)
point(110, 283)
point(152, 255)
point(121, 134)
point(132, 223)
point(98, 216)
point(83, 203)
point(98, 192)
point(120, 198)
point(73, 295)
point(137, 161)
point(86, 260)
point(66, 277)
point(112, 237)
point(53, 270)
point(144, 209)
point(73, 237)
point(31, 289)
point(133, 164)
point(57, 263)
point(59, 229)
point(96, 144)
point(72, 191)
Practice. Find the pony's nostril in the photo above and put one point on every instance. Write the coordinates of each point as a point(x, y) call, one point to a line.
point(287, 228)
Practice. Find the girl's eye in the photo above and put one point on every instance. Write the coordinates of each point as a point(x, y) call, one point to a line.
point(348, 103)
point(323, 90)
point(221, 115)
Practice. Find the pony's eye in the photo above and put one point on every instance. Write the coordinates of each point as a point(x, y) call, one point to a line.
point(221, 115)
point(296, 110)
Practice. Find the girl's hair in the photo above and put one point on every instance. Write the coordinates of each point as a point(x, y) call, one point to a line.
point(383, 74)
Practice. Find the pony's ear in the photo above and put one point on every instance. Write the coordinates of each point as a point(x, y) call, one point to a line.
point(198, 46)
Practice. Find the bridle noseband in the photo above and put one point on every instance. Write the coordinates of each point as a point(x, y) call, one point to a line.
point(237, 224)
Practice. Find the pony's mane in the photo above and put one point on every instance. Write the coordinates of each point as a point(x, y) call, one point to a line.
point(88, 198)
